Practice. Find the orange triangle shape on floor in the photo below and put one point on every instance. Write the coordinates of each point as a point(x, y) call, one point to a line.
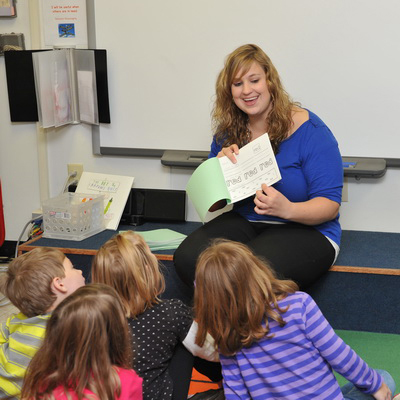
point(201, 383)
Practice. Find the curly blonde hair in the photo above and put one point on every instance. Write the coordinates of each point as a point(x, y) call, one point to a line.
point(230, 124)
point(235, 292)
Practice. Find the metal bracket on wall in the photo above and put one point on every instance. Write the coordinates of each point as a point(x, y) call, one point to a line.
point(364, 167)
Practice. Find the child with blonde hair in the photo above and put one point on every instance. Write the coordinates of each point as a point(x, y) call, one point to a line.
point(126, 263)
point(273, 340)
point(86, 352)
point(35, 282)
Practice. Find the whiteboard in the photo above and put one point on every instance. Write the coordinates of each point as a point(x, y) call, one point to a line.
point(340, 59)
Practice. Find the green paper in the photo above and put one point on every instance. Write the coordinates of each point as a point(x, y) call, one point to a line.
point(162, 239)
point(216, 190)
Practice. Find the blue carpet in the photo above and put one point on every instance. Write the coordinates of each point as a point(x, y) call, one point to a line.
point(359, 302)
point(370, 249)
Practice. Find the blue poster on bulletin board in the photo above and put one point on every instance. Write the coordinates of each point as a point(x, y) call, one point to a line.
point(66, 30)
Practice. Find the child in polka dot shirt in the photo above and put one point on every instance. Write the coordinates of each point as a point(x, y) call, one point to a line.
point(126, 263)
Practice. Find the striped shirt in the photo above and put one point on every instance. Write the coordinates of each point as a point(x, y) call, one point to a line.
point(296, 363)
point(20, 338)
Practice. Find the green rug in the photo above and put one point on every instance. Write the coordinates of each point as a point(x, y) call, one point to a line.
point(379, 350)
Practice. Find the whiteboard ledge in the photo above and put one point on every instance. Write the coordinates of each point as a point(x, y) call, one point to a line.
point(183, 158)
point(121, 151)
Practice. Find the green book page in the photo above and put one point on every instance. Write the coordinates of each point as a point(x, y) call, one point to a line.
point(161, 236)
point(207, 186)
point(164, 247)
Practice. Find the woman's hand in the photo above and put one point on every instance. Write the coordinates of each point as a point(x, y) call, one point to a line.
point(383, 393)
point(229, 152)
point(270, 201)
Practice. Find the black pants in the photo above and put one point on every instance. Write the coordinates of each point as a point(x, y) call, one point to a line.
point(180, 371)
point(295, 251)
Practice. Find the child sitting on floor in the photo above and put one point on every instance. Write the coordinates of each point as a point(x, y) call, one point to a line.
point(35, 283)
point(273, 340)
point(86, 352)
point(126, 263)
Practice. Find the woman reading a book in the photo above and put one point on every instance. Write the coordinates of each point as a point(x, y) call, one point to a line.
point(294, 224)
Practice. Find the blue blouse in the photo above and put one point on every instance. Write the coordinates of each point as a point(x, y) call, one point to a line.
point(310, 165)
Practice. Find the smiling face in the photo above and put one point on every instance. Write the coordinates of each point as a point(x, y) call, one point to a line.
point(250, 92)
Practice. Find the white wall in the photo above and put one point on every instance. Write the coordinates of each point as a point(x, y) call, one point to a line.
point(18, 154)
point(372, 205)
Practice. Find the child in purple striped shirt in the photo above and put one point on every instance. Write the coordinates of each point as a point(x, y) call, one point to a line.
point(273, 340)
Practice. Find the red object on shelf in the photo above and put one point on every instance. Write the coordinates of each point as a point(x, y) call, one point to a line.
point(2, 226)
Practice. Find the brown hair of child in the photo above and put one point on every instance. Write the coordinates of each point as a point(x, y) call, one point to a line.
point(28, 280)
point(235, 292)
point(87, 337)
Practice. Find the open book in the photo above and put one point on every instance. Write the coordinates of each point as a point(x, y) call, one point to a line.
point(219, 179)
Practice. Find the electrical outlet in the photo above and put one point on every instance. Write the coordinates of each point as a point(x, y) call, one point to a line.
point(37, 213)
point(75, 167)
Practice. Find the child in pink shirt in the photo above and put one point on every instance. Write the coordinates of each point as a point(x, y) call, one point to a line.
point(86, 352)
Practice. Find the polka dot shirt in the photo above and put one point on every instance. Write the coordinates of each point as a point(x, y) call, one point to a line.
point(155, 333)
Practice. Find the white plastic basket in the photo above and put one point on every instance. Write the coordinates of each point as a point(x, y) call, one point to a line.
point(73, 216)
